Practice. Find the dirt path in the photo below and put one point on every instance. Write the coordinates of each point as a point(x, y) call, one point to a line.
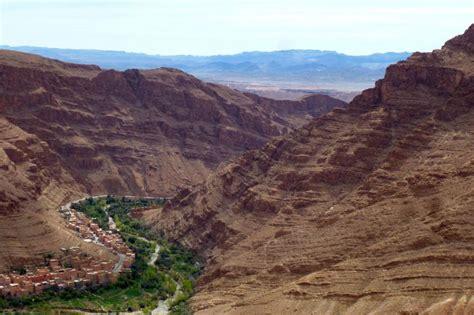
point(118, 266)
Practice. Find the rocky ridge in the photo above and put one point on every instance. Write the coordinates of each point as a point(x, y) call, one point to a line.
point(364, 210)
point(141, 132)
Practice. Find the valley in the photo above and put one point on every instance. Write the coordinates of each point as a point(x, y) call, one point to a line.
point(258, 191)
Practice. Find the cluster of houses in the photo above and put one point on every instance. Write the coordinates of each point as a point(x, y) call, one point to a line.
point(74, 269)
point(91, 232)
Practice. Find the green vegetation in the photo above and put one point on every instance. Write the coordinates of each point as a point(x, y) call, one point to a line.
point(94, 208)
point(172, 276)
point(115, 297)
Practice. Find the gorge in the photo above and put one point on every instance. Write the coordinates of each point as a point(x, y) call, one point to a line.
point(312, 206)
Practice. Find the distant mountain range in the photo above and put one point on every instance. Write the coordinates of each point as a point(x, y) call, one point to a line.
point(296, 68)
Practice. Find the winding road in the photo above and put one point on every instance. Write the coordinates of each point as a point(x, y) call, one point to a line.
point(155, 255)
point(163, 307)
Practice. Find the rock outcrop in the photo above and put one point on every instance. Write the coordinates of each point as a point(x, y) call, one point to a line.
point(367, 209)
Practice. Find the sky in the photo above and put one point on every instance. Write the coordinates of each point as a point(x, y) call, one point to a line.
point(210, 27)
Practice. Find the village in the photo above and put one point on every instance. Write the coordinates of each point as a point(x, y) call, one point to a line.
point(73, 268)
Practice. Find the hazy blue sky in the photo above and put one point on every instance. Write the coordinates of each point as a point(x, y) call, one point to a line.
point(230, 26)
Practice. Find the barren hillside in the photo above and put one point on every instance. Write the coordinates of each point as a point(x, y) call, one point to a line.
point(32, 185)
point(367, 209)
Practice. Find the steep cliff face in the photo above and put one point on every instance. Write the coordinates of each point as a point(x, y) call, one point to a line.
point(364, 210)
point(140, 132)
point(68, 130)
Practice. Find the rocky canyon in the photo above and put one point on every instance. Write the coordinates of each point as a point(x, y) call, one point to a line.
point(69, 130)
point(365, 210)
point(313, 206)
